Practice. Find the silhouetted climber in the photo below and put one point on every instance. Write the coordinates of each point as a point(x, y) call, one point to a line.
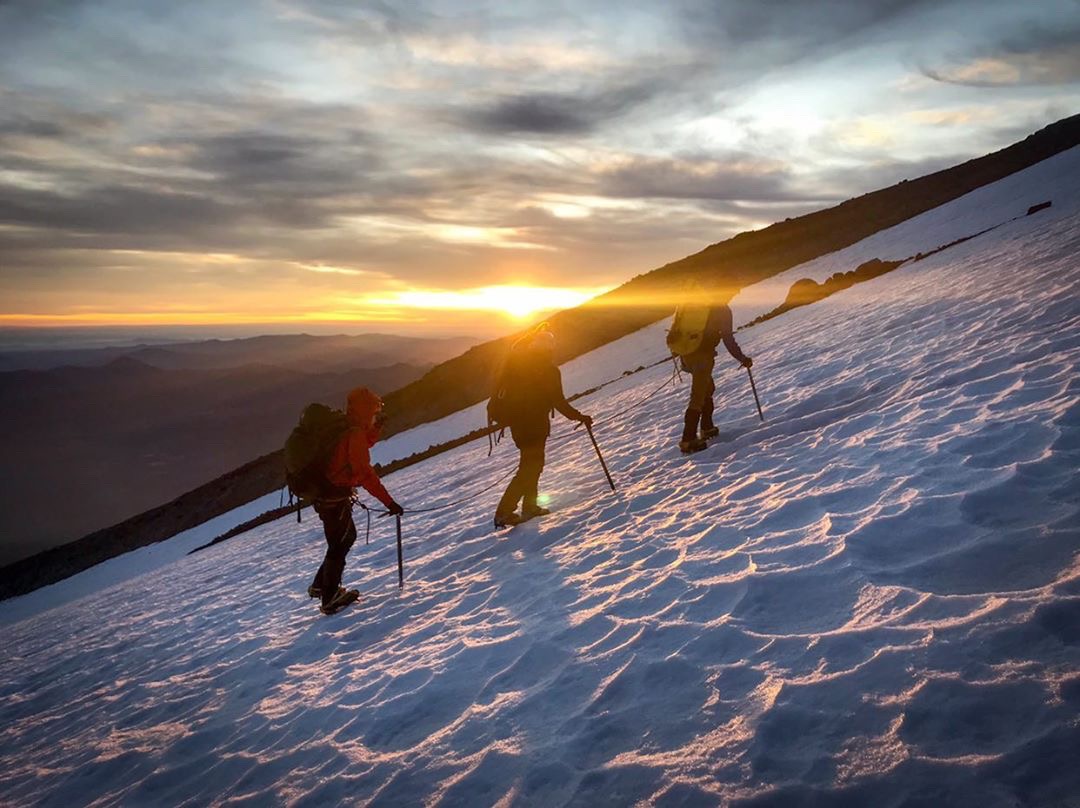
point(326, 457)
point(695, 332)
point(528, 389)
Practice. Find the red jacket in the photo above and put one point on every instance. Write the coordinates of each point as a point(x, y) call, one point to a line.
point(350, 463)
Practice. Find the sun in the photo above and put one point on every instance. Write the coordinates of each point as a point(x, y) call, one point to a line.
point(519, 302)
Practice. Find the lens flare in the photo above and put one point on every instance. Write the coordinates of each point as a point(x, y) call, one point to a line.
point(515, 301)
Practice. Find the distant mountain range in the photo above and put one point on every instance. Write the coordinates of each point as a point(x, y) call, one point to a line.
point(93, 443)
point(302, 352)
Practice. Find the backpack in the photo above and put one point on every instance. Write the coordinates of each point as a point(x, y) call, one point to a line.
point(308, 449)
point(689, 323)
point(500, 410)
point(503, 406)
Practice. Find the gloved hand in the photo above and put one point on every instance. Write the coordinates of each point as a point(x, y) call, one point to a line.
point(586, 420)
point(747, 362)
point(395, 509)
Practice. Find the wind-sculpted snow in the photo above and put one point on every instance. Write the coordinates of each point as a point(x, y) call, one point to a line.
point(872, 599)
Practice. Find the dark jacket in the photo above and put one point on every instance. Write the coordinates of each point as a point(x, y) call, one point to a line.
point(533, 388)
point(720, 328)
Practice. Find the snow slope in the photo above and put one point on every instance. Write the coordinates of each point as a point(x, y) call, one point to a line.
point(123, 568)
point(871, 599)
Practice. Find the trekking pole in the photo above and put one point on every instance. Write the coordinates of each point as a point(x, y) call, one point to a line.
point(588, 428)
point(400, 560)
point(756, 399)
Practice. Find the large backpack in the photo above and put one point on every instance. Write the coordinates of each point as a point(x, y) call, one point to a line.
point(309, 447)
point(500, 409)
point(503, 406)
point(689, 323)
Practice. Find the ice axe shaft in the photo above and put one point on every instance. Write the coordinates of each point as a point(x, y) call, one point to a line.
point(400, 559)
point(757, 401)
point(588, 428)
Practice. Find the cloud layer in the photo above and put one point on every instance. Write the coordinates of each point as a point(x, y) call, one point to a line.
point(297, 155)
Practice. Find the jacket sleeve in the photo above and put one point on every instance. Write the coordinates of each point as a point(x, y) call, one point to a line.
point(558, 397)
point(360, 470)
point(726, 327)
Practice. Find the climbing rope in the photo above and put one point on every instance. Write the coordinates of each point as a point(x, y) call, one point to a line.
point(463, 499)
point(673, 379)
point(367, 514)
point(383, 512)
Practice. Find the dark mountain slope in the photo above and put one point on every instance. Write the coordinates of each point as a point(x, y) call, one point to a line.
point(87, 447)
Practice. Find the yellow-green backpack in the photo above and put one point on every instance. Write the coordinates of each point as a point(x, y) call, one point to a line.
point(688, 324)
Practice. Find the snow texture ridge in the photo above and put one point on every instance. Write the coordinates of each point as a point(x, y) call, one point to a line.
point(873, 598)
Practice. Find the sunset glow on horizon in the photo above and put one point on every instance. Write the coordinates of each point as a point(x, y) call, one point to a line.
point(513, 302)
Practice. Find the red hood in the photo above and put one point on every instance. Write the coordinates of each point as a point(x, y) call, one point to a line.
point(363, 404)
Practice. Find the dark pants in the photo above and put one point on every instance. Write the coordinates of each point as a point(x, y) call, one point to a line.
point(702, 386)
point(340, 533)
point(700, 367)
point(525, 484)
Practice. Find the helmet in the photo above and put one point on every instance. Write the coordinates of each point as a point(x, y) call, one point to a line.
point(542, 340)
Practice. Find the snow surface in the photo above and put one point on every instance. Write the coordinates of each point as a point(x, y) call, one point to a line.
point(871, 599)
point(125, 567)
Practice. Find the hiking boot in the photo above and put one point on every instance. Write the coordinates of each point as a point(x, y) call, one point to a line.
point(690, 424)
point(690, 441)
point(692, 445)
point(532, 513)
point(507, 519)
point(314, 591)
point(340, 590)
point(708, 428)
point(341, 599)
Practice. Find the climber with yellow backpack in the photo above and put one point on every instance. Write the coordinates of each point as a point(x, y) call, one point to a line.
point(697, 328)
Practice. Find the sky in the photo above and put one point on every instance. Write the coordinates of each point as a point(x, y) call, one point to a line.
point(452, 167)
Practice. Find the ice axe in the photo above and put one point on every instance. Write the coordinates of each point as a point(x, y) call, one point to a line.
point(588, 428)
point(757, 401)
point(400, 560)
point(400, 557)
